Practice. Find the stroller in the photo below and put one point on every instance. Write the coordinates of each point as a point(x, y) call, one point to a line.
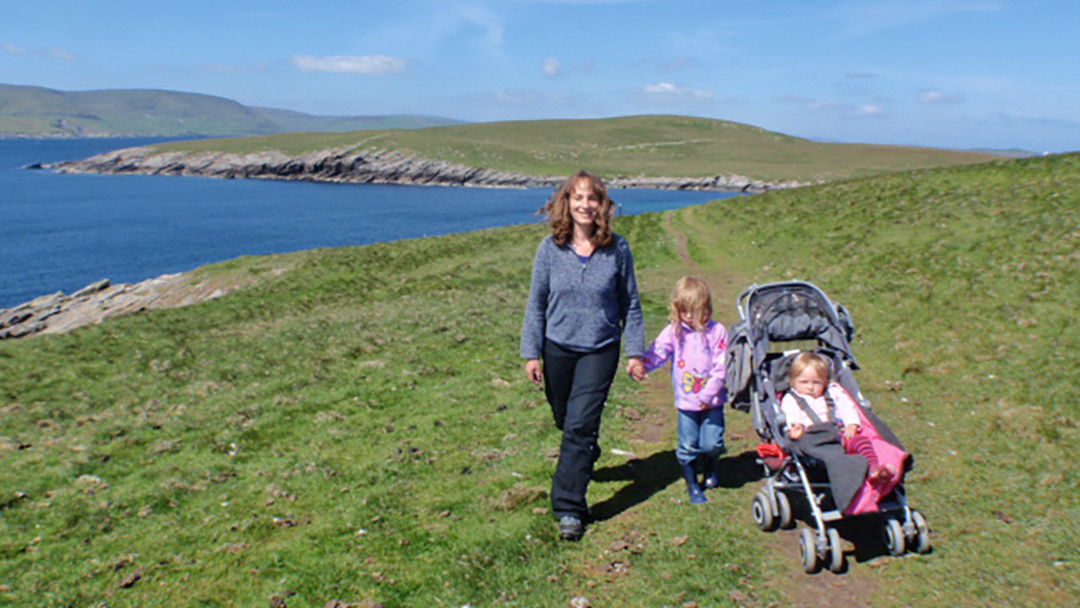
point(757, 377)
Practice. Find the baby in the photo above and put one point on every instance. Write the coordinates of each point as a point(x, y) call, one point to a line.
point(815, 399)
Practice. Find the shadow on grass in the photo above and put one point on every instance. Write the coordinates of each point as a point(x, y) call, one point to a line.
point(866, 533)
point(739, 470)
point(648, 476)
point(651, 475)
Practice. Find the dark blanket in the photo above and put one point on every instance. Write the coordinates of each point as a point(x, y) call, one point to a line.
point(846, 471)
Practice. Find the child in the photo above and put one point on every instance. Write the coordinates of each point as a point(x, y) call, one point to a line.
point(814, 401)
point(696, 346)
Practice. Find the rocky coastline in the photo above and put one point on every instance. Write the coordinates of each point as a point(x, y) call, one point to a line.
point(371, 166)
point(58, 313)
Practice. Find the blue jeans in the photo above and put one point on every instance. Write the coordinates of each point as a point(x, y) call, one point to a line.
point(701, 433)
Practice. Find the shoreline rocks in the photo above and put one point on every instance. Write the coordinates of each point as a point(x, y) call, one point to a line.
point(59, 313)
point(370, 166)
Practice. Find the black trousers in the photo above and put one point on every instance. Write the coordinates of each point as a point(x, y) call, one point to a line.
point(577, 386)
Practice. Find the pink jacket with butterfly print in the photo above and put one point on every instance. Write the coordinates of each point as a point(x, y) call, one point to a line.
point(697, 364)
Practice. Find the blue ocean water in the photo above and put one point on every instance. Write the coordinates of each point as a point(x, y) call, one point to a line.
point(63, 232)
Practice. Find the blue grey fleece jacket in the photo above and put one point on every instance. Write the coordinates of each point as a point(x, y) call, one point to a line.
point(583, 306)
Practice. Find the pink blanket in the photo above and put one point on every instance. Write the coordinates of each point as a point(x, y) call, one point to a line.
point(867, 498)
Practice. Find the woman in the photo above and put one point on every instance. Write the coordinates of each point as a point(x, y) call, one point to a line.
point(583, 300)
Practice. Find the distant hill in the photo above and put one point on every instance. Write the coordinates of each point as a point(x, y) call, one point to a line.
point(27, 111)
point(623, 147)
point(1007, 153)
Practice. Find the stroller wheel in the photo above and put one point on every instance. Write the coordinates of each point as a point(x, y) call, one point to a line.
point(895, 540)
point(783, 508)
point(836, 552)
point(808, 553)
point(922, 534)
point(762, 512)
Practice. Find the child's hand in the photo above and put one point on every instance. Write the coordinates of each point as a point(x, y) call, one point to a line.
point(850, 430)
point(636, 369)
point(796, 430)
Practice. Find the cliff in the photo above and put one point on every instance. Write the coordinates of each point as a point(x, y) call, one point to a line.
point(371, 166)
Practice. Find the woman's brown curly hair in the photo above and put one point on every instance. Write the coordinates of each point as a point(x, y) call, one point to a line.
point(558, 210)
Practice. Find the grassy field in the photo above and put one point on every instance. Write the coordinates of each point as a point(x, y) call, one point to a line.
point(632, 146)
point(357, 426)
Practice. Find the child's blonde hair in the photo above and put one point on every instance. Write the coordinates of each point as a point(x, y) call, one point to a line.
point(690, 295)
point(817, 362)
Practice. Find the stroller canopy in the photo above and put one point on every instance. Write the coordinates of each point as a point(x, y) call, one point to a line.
point(782, 312)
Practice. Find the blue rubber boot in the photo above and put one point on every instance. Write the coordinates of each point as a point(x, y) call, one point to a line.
point(712, 478)
point(690, 474)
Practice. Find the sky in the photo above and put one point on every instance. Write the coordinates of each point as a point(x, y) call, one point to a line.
point(967, 74)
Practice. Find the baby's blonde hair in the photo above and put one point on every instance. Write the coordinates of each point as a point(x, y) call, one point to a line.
point(817, 362)
point(690, 294)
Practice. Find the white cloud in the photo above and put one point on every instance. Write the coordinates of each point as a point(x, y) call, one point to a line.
point(491, 23)
point(825, 105)
point(551, 67)
point(667, 89)
point(351, 64)
point(60, 54)
point(56, 53)
point(14, 49)
point(934, 97)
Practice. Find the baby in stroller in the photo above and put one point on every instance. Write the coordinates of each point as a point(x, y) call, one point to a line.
point(804, 459)
point(823, 422)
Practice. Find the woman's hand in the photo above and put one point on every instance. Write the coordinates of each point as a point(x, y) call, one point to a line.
point(796, 430)
point(636, 368)
point(850, 430)
point(535, 371)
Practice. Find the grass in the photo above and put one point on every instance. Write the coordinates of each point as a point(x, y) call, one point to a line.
point(632, 146)
point(358, 426)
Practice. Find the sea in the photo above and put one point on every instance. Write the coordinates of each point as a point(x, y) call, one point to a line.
point(63, 232)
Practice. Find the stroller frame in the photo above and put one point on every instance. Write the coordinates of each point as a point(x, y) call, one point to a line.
point(799, 311)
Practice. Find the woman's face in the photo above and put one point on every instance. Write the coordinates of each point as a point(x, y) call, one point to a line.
point(809, 383)
point(584, 205)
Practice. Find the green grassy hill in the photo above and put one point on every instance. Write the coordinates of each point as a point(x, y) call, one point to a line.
point(37, 111)
point(357, 426)
point(653, 146)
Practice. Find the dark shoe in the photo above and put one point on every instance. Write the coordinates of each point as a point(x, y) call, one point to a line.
point(571, 528)
point(696, 495)
point(712, 478)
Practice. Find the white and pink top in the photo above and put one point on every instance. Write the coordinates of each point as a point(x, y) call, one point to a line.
point(697, 364)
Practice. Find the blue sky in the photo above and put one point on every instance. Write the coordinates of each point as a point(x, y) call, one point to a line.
point(945, 73)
